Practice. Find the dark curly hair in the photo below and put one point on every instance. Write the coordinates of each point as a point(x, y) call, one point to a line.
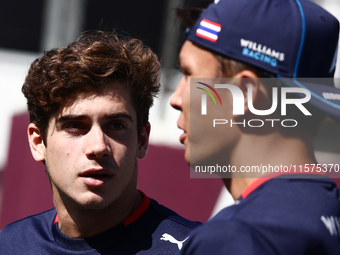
point(94, 60)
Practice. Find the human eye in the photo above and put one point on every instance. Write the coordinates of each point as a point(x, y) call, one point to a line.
point(183, 71)
point(179, 69)
point(116, 126)
point(74, 127)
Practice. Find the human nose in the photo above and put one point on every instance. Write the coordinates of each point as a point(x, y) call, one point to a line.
point(97, 145)
point(176, 98)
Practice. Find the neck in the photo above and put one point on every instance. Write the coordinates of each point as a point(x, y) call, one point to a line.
point(272, 149)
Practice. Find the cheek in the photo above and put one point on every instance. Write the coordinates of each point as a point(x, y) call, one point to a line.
point(124, 153)
point(60, 153)
point(203, 134)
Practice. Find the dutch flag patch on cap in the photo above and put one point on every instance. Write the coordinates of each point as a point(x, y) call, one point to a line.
point(208, 30)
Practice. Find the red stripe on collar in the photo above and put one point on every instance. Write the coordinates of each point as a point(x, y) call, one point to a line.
point(56, 219)
point(134, 216)
point(249, 189)
point(140, 210)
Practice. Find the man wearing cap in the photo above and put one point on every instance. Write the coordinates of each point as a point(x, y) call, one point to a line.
point(290, 206)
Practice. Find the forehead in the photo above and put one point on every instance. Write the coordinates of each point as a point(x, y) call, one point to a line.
point(111, 97)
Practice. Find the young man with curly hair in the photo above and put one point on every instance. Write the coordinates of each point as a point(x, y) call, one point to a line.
point(257, 49)
point(88, 105)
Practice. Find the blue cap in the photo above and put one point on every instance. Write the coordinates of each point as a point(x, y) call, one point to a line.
point(289, 38)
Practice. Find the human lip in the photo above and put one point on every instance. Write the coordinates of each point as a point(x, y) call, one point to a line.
point(183, 137)
point(95, 177)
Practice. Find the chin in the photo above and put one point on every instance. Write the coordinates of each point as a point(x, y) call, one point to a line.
point(93, 204)
point(187, 156)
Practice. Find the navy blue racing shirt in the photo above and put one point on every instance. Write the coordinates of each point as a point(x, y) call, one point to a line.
point(274, 216)
point(151, 229)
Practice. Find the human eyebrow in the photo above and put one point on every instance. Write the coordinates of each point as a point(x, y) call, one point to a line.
point(118, 116)
point(70, 117)
point(114, 116)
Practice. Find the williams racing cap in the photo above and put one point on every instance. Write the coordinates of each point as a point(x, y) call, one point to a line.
point(290, 38)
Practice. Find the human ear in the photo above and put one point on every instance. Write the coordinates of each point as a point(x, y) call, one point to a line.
point(143, 142)
point(36, 142)
point(250, 85)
